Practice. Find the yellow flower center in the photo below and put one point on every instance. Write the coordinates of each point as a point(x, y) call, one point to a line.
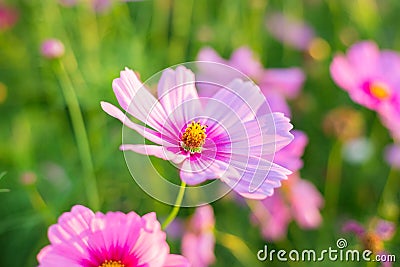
point(379, 90)
point(112, 264)
point(194, 137)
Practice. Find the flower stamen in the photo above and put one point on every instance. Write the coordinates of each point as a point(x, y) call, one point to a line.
point(108, 263)
point(194, 137)
point(379, 90)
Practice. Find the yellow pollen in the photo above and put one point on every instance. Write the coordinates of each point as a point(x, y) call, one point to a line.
point(379, 90)
point(194, 137)
point(112, 264)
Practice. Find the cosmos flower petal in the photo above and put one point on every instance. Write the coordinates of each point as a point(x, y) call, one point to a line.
point(342, 73)
point(209, 54)
point(133, 97)
point(70, 224)
point(287, 82)
point(363, 56)
point(151, 235)
point(144, 131)
point(306, 202)
point(176, 261)
point(273, 216)
point(153, 150)
point(245, 98)
point(255, 179)
point(197, 171)
point(174, 89)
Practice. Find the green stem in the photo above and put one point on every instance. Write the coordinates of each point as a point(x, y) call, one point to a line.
point(177, 206)
point(333, 179)
point(388, 205)
point(81, 137)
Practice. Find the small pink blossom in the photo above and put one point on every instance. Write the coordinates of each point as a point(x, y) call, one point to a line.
point(273, 215)
point(298, 199)
point(199, 241)
point(290, 156)
point(392, 156)
point(82, 238)
point(290, 31)
point(8, 17)
point(374, 236)
point(390, 117)
point(370, 76)
point(52, 49)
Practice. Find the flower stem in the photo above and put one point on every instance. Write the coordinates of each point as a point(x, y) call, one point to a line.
point(81, 137)
point(388, 206)
point(333, 179)
point(177, 206)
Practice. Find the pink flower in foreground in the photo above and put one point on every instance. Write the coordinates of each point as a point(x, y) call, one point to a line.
point(275, 84)
point(298, 199)
point(290, 31)
point(82, 238)
point(52, 48)
point(230, 137)
point(370, 76)
point(199, 241)
point(392, 156)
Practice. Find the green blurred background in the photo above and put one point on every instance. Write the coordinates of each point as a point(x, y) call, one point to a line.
point(38, 148)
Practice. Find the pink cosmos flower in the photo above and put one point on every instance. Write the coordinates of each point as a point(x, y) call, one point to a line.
point(199, 241)
point(392, 155)
point(298, 199)
point(290, 31)
point(82, 238)
point(275, 84)
point(52, 48)
point(370, 76)
point(230, 136)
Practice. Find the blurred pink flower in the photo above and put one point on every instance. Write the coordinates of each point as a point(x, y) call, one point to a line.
point(276, 84)
point(298, 199)
point(198, 241)
point(68, 3)
point(97, 5)
point(390, 117)
point(229, 137)
point(370, 76)
point(290, 31)
point(290, 156)
point(373, 237)
point(87, 239)
point(101, 5)
point(392, 155)
point(8, 17)
point(306, 202)
point(273, 215)
point(52, 49)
